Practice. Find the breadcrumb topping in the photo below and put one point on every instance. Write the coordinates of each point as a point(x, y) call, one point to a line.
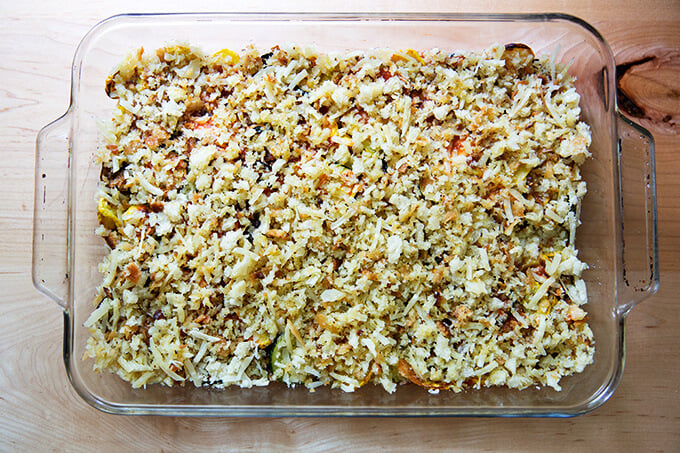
point(341, 219)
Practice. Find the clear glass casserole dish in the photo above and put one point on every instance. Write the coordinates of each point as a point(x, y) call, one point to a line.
point(617, 238)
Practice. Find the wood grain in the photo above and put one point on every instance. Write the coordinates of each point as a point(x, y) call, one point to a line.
point(40, 411)
point(649, 89)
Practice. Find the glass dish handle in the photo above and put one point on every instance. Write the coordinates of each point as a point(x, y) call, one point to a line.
point(50, 214)
point(639, 277)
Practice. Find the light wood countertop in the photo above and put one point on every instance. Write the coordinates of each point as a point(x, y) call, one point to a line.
point(40, 411)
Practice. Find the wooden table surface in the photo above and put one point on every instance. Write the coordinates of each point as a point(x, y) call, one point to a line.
point(39, 409)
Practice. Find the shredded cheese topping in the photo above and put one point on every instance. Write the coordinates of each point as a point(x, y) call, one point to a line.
point(374, 216)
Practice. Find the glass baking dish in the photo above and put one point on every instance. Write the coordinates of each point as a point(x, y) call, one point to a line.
point(617, 238)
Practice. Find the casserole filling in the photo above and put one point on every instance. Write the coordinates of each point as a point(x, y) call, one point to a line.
point(374, 216)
